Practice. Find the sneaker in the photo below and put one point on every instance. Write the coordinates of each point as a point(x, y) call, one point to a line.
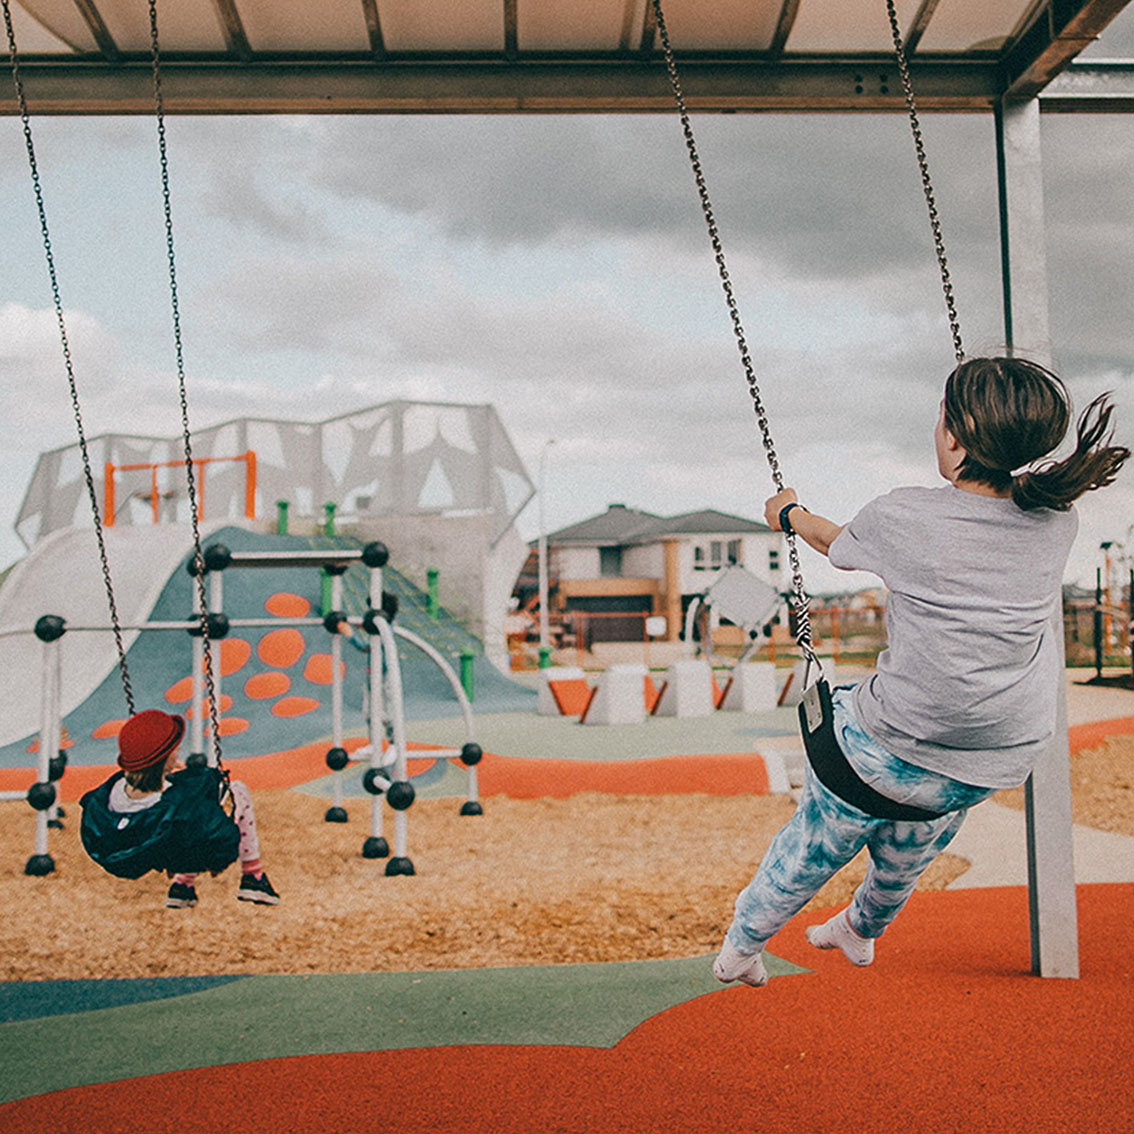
point(747, 968)
point(180, 897)
point(253, 889)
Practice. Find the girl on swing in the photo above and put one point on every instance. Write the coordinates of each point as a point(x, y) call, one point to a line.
point(155, 814)
point(962, 702)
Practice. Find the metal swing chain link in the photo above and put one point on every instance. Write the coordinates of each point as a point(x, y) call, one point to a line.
point(926, 184)
point(800, 600)
point(198, 555)
point(88, 476)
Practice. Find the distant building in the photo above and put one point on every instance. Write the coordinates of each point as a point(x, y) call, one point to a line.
point(624, 561)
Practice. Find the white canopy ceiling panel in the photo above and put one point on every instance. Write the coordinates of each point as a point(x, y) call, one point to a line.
point(842, 26)
point(728, 25)
point(973, 25)
point(49, 26)
point(440, 25)
point(588, 25)
point(329, 25)
point(184, 25)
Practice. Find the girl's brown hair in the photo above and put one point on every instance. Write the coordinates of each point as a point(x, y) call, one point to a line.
point(148, 779)
point(1007, 413)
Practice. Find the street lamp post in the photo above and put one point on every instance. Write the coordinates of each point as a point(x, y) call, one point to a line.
point(544, 636)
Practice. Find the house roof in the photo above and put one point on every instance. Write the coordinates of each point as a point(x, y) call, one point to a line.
point(617, 525)
point(620, 525)
point(709, 522)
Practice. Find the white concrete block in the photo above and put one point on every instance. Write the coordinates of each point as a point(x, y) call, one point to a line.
point(619, 698)
point(688, 690)
point(753, 688)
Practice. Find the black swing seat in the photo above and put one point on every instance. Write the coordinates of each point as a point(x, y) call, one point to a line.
point(188, 831)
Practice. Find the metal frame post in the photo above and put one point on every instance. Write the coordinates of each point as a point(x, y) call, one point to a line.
point(1053, 917)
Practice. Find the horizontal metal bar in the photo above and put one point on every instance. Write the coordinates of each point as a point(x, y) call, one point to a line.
point(294, 558)
point(1105, 87)
point(556, 86)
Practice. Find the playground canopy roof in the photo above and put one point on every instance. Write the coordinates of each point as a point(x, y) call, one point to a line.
point(507, 56)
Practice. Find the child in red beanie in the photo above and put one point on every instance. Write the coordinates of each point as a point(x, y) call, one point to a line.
point(147, 754)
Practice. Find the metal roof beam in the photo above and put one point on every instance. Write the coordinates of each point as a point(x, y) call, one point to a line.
point(233, 27)
point(1098, 87)
point(1059, 32)
point(494, 87)
point(93, 19)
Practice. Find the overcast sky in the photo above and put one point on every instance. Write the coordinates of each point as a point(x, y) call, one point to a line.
point(558, 267)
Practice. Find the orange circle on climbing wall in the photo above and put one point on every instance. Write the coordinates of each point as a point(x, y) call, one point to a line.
point(179, 691)
point(225, 705)
point(281, 648)
point(230, 726)
point(234, 652)
point(107, 728)
point(264, 686)
point(285, 605)
point(318, 669)
point(294, 706)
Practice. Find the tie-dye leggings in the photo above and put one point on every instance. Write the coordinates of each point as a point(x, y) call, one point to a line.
point(825, 833)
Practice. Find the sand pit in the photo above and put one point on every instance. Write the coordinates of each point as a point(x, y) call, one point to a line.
point(590, 878)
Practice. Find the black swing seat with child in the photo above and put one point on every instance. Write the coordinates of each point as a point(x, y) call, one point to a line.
point(816, 716)
point(190, 830)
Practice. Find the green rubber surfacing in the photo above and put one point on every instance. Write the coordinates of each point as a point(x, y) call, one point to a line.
point(272, 1017)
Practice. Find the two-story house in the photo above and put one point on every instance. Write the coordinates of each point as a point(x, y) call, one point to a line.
point(625, 561)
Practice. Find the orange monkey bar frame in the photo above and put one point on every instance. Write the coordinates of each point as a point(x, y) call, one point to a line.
point(248, 458)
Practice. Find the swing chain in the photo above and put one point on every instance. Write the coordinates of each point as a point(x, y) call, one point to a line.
point(927, 185)
point(800, 602)
point(88, 476)
point(198, 555)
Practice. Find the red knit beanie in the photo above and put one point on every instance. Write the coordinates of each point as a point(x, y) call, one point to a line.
point(147, 738)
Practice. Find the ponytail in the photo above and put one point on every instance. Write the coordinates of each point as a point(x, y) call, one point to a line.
point(1007, 413)
point(1094, 464)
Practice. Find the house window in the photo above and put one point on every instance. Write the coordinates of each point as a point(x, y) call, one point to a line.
point(610, 562)
point(773, 559)
point(712, 556)
point(735, 555)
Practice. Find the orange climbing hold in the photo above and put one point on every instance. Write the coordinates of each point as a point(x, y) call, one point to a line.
point(180, 691)
point(234, 652)
point(107, 729)
point(318, 669)
point(294, 706)
point(285, 605)
point(264, 686)
point(281, 648)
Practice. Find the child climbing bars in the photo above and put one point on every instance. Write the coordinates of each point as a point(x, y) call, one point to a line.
point(960, 703)
point(157, 815)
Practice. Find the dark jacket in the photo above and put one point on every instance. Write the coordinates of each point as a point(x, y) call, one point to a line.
point(187, 831)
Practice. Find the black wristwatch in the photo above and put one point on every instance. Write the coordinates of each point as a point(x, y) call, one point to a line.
point(785, 523)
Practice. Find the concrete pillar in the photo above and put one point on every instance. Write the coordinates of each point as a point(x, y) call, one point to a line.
point(1053, 916)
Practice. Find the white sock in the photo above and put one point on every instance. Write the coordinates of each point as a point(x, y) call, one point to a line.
point(838, 934)
point(745, 967)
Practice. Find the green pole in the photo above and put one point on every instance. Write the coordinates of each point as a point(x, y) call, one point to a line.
point(467, 674)
point(431, 591)
point(328, 519)
point(324, 592)
point(281, 517)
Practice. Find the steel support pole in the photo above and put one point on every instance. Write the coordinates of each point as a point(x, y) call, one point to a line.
point(1053, 916)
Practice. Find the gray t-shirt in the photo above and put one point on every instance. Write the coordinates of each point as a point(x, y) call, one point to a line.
point(967, 687)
